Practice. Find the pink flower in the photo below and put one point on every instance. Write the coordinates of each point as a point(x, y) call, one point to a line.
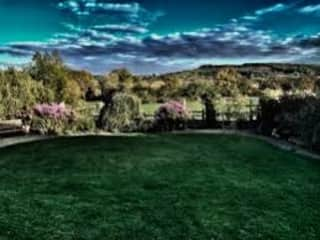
point(53, 110)
point(172, 110)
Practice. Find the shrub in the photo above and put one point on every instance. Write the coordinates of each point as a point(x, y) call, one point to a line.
point(296, 117)
point(123, 113)
point(269, 109)
point(305, 121)
point(171, 115)
point(56, 111)
point(59, 119)
point(85, 119)
point(52, 118)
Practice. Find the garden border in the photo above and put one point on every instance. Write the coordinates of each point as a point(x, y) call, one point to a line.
point(283, 145)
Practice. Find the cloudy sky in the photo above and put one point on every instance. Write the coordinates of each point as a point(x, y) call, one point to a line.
point(153, 36)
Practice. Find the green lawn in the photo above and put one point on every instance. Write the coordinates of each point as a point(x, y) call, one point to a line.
point(158, 187)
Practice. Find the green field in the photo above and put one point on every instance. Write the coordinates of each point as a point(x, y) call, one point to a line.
point(151, 108)
point(148, 108)
point(157, 187)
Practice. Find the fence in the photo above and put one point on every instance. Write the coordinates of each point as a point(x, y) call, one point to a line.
point(225, 113)
point(195, 115)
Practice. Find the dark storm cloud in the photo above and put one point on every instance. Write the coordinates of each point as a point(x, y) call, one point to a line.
point(16, 52)
point(310, 42)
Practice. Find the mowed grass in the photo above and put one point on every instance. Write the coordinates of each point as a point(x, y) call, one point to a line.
point(157, 187)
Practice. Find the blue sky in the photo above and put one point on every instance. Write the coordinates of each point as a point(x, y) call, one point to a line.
point(160, 36)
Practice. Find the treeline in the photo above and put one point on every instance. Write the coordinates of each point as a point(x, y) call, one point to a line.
point(217, 82)
point(47, 79)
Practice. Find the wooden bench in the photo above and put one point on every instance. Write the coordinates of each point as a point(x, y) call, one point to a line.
point(11, 128)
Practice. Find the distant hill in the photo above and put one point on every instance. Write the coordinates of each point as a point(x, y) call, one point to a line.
point(258, 70)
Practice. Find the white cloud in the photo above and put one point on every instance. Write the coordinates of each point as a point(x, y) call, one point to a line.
point(129, 28)
point(250, 18)
point(275, 8)
point(85, 7)
point(311, 9)
point(100, 44)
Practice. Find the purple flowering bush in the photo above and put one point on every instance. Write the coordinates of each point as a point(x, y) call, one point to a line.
point(54, 111)
point(171, 115)
point(52, 118)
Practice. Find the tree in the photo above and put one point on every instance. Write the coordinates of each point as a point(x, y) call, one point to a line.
point(170, 89)
point(143, 90)
point(197, 89)
point(84, 79)
point(45, 66)
point(50, 70)
point(72, 93)
point(226, 82)
point(19, 91)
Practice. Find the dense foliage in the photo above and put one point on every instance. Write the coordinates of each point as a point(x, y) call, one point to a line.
point(60, 119)
point(228, 90)
point(52, 118)
point(67, 85)
point(46, 80)
point(18, 91)
point(265, 80)
point(271, 81)
point(122, 113)
point(296, 117)
point(171, 115)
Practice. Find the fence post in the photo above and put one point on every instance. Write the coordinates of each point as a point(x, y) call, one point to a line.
point(210, 112)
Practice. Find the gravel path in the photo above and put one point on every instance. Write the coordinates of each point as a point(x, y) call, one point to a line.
point(5, 142)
